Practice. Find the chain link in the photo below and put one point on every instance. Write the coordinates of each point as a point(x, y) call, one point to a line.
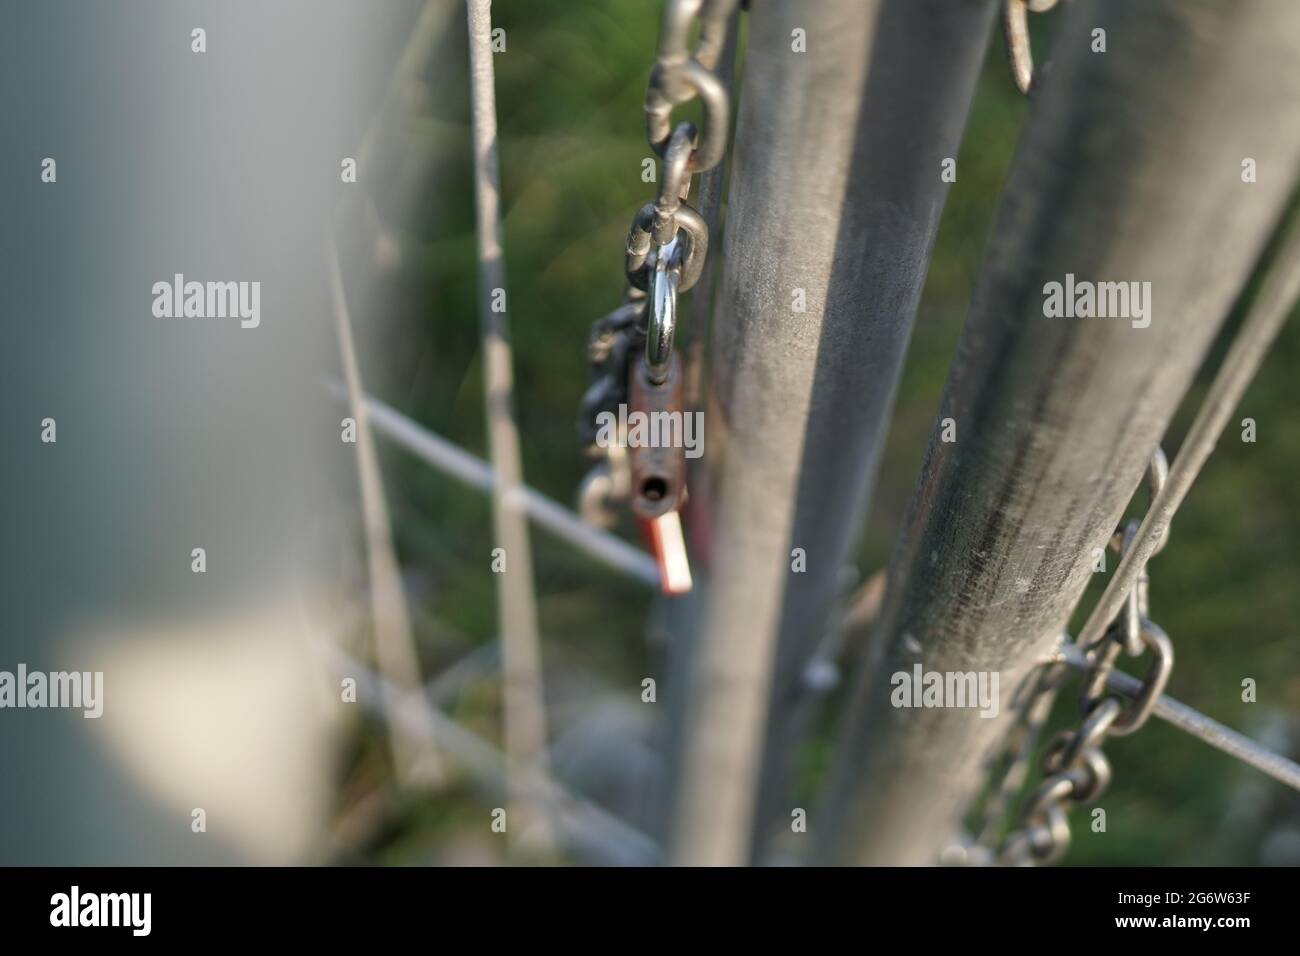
point(1075, 771)
point(1015, 28)
point(667, 244)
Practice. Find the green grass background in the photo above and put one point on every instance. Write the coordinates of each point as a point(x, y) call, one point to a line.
point(569, 90)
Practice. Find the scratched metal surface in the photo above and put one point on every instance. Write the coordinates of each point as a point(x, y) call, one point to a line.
point(836, 191)
point(1129, 169)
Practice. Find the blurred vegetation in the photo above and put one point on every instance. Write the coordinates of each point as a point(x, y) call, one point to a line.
point(569, 94)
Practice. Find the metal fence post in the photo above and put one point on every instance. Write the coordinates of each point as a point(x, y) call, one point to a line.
point(523, 700)
point(1130, 169)
point(847, 112)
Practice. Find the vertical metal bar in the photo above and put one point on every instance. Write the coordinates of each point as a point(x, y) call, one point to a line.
point(835, 199)
point(1130, 169)
point(525, 716)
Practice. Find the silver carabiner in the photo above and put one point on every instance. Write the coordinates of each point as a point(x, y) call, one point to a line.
point(662, 323)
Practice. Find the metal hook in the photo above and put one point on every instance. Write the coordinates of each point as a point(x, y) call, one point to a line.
point(1137, 605)
point(1015, 27)
point(663, 312)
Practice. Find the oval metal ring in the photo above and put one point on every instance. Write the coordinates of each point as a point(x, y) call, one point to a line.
point(1051, 838)
point(1153, 684)
point(1055, 749)
point(600, 339)
point(1130, 619)
point(1157, 475)
point(717, 104)
point(637, 264)
point(693, 225)
point(675, 30)
point(1050, 792)
point(1091, 732)
point(639, 244)
point(1103, 662)
point(1092, 778)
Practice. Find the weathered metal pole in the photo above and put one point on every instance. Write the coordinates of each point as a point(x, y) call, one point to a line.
point(522, 694)
point(847, 112)
point(1132, 169)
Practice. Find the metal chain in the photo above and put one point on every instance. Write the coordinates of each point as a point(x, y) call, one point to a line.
point(1075, 770)
point(664, 256)
point(1120, 621)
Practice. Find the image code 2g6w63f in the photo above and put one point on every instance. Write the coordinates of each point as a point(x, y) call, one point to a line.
point(634, 433)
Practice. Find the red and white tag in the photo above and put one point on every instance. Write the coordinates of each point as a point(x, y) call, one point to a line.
point(668, 545)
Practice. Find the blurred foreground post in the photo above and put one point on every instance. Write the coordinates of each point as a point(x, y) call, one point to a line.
point(848, 110)
point(1130, 170)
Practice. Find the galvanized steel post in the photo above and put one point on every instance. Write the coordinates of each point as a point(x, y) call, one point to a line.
point(1130, 170)
point(847, 112)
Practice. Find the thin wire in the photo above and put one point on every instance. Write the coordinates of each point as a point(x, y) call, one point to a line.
point(1193, 722)
point(1267, 316)
point(524, 702)
point(454, 461)
point(587, 828)
point(415, 761)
